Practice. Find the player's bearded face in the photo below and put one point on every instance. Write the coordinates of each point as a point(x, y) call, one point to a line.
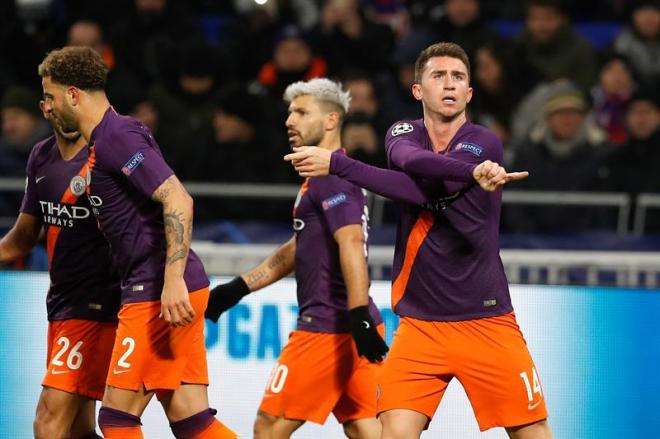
point(56, 108)
point(305, 124)
point(445, 89)
point(71, 136)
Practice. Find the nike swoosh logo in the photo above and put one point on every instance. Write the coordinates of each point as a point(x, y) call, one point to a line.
point(59, 372)
point(40, 178)
point(117, 372)
point(366, 324)
point(531, 407)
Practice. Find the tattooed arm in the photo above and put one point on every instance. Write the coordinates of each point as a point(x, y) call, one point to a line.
point(280, 263)
point(177, 216)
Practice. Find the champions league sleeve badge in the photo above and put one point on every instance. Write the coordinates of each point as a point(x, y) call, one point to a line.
point(401, 128)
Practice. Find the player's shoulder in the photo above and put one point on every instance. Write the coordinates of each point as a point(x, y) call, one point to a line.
point(330, 185)
point(481, 135)
point(117, 127)
point(42, 148)
point(405, 128)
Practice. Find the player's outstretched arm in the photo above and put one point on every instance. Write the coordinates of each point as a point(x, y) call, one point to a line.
point(177, 217)
point(310, 161)
point(21, 238)
point(353, 261)
point(279, 264)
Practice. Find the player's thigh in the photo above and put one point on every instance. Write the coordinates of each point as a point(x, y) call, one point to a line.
point(500, 379)
point(267, 426)
point(417, 370)
point(78, 356)
point(309, 377)
point(403, 424)
point(187, 400)
point(360, 396)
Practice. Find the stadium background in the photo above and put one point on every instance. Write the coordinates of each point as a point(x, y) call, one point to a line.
point(207, 75)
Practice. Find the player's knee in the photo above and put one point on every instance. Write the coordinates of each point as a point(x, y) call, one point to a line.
point(117, 424)
point(351, 430)
point(202, 425)
point(537, 430)
point(48, 423)
point(398, 430)
point(366, 428)
point(263, 425)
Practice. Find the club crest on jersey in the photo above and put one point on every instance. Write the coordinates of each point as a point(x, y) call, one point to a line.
point(334, 200)
point(470, 147)
point(77, 185)
point(132, 163)
point(401, 128)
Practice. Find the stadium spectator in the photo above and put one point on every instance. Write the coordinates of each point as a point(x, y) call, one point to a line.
point(22, 126)
point(122, 84)
point(499, 85)
point(365, 98)
point(185, 106)
point(398, 101)
point(293, 60)
point(640, 41)
point(611, 95)
point(362, 141)
point(464, 25)
point(346, 37)
point(633, 167)
point(145, 40)
point(550, 44)
point(561, 153)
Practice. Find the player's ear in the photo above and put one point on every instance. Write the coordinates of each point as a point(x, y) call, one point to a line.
point(73, 95)
point(417, 91)
point(332, 121)
point(469, 94)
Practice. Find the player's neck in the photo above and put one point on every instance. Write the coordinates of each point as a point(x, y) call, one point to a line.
point(68, 149)
point(441, 131)
point(97, 105)
point(331, 141)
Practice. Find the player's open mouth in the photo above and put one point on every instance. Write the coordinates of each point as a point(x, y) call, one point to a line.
point(449, 100)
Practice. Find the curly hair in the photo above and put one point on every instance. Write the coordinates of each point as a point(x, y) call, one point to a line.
point(450, 50)
point(81, 67)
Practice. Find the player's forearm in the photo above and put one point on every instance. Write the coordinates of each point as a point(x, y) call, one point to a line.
point(273, 268)
point(177, 216)
point(427, 164)
point(394, 185)
point(355, 272)
point(18, 242)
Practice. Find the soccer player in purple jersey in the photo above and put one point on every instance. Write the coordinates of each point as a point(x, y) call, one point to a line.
point(338, 323)
point(83, 298)
point(449, 285)
point(146, 215)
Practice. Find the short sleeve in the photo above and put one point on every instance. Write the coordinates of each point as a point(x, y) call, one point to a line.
point(341, 203)
point(30, 203)
point(134, 153)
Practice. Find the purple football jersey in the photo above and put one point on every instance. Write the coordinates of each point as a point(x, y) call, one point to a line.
point(324, 205)
point(125, 168)
point(83, 283)
point(447, 265)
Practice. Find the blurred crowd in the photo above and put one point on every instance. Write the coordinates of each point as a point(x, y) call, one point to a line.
point(571, 88)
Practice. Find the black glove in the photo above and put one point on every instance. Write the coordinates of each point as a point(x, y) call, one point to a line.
point(225, 296)
point(367, 339)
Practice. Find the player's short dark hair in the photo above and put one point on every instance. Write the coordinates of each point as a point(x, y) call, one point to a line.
point(451, 50)
point(81, 67)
